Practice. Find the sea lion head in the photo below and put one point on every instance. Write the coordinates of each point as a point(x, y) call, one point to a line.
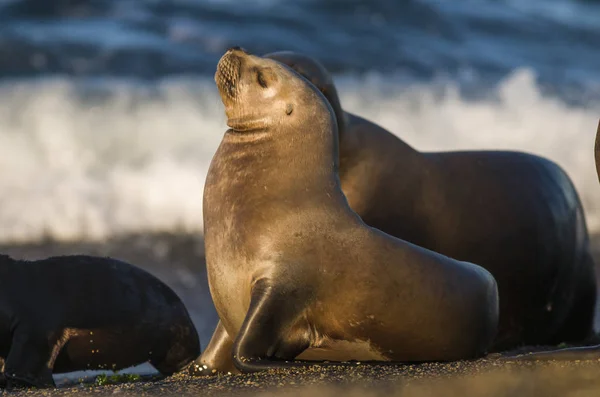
point(260, 93)
point(316, 73)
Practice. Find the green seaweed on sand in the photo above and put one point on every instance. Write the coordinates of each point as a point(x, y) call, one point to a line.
point(104, 379)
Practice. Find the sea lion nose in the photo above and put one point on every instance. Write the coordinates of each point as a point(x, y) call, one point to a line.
point(237, 49)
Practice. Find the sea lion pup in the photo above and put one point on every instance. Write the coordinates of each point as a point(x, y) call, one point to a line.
point(293, 271)
point(70, 313)
point(515, 214)
point(571, 353)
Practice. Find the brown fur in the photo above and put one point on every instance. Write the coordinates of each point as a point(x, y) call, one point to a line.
point(292, 269)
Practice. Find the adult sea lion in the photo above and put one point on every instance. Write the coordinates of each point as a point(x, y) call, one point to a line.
point(69, 313)
point(571, 353)
point(293, 271)
point(515, 214)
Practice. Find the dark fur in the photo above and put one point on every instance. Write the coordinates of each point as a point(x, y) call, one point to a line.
point(68, 313)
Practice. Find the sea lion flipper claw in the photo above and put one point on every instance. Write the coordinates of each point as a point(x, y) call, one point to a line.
point(217, 357)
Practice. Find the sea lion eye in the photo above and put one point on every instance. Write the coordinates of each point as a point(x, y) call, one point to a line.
point(261, 79)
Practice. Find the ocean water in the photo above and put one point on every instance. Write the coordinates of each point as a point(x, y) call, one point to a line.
point(92, 159)
point(109, 115)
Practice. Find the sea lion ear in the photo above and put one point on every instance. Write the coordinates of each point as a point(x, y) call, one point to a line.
point(289, 109)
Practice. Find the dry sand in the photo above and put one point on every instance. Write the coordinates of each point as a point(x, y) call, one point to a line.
point(179, 261)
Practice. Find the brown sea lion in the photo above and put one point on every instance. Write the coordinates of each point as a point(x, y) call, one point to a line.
point(516, 214)
point(571, 353)
point(295, 273)
point(70, 313)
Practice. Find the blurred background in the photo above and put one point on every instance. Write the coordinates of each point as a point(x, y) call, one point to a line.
point(109, 115)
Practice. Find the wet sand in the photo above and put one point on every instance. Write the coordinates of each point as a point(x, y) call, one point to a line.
point(178, 259)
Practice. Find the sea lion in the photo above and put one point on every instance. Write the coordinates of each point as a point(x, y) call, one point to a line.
point(70, 313)
point(295, 273)
point(571, 353)
point(515, 214)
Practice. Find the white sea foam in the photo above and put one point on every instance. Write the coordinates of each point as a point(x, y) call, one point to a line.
point(94, 159)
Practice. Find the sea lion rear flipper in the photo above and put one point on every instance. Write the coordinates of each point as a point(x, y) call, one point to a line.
point(217, 357)
point(29, 361)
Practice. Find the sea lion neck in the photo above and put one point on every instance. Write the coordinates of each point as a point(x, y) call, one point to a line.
point(258, 180)
point(359, 134)
point(285, 157)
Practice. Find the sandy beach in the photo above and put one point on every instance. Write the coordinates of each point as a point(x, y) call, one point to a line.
point(460, 379)
point(178, 259)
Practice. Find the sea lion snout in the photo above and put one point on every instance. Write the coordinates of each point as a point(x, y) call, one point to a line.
point(228, 74)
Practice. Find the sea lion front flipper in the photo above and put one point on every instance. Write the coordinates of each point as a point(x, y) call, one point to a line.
point(272, 335)
point(261, 342)
point(29, 360)
point(217, 357)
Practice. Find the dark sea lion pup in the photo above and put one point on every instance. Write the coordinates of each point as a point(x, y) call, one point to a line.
point(294, 273)
point(71, 313)
point(571, 353)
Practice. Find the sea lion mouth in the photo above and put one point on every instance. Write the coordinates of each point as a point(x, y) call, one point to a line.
point(228, 74)
point(246, 124)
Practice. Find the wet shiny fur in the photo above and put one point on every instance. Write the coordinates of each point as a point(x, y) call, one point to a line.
point(293, 271)
point(515, 214)
point(573, 353)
